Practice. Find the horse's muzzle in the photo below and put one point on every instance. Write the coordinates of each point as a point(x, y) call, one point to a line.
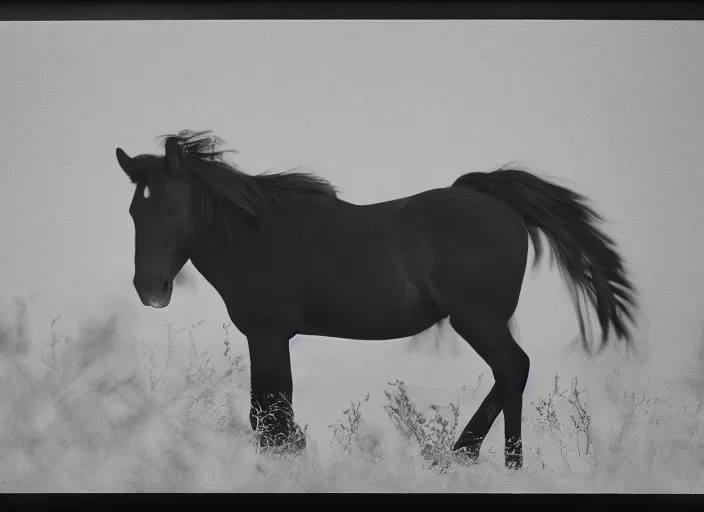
point(155, 292)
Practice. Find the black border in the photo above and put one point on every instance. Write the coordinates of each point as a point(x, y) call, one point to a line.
point(96, 11)
point(330, 10)
point(340, 501)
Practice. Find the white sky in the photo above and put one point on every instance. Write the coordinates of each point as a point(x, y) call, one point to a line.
point(383, 110)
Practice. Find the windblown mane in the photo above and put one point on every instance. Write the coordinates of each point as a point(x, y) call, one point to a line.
point(225, 186)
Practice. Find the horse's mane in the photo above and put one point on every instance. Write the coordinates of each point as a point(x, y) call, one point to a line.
point(224, 185)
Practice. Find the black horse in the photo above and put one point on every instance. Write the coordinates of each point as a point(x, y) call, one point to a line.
point(289, 257)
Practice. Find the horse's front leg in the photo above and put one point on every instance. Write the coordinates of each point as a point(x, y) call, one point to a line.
point(271, 414)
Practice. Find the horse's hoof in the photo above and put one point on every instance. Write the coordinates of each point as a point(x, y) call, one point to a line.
point(463, 458)
point(468, 455)
point(290, 446)
point(514, 460)
point(299, 444)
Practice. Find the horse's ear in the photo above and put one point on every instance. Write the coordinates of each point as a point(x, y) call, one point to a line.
point(128, 165)
point(174, 156)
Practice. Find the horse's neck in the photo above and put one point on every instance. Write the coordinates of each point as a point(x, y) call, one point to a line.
point(213, 248)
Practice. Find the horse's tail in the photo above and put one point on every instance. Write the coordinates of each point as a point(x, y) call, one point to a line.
point(586, 256)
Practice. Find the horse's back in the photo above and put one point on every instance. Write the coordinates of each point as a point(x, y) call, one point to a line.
point(413, 231)
point(462, 208)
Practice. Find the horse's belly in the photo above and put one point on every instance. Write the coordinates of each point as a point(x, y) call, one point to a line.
point(369, 328)
point(380, 314)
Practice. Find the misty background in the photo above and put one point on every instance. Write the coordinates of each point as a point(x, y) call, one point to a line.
point(382, 109)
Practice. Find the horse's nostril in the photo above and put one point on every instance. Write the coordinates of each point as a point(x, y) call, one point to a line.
point(164, 286)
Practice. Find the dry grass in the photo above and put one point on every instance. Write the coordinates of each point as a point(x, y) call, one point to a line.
point(101, 412)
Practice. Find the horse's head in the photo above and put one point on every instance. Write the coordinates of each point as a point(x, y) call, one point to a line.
point(161, 211)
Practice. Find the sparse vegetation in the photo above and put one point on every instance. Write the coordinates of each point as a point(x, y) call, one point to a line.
point(346, 433)
point(547, 420)
point(96, 411)
point(435, 435)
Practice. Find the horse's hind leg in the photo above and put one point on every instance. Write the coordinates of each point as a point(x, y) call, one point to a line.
point(470, 441)
point(491, 338)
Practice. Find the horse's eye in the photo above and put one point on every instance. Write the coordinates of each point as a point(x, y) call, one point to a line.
point(170, 211)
